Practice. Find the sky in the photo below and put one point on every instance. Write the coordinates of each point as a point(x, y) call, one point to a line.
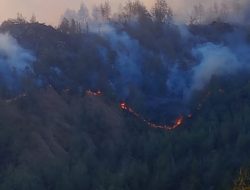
point(48, 11)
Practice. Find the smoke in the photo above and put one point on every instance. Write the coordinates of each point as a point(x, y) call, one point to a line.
point(216, 60)
point(143, 59)
point(207, 11)
point(14, 60)
point(211, 60)
point(185, 11)
point(93, 20)
point(81, 15)
point(178, 82)
point(128, 59)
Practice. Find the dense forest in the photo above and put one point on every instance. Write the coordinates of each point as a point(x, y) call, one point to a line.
point(94, 102)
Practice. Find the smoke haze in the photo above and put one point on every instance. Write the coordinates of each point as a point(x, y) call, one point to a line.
point(215, 60)
point(13, 59)
point(164, 70)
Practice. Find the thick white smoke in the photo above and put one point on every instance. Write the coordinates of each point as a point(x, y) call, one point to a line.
point(216, 60)
point(212, 60)
point(13, 58)
point(12, 55)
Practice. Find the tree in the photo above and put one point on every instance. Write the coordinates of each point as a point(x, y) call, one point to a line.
point(102, 13)
point(73, 26)
point(219, 12)
point(105, 10)
point(198, 13)
point(243, 181)
point(96, 14)
point(83, 16)
point(83, 12)
point(224, 11)
point(161, 12)
point(33, 19)
point(135, 11)
point(64, 26)
point(20, 19)
point(70, 26)
point(215, 12)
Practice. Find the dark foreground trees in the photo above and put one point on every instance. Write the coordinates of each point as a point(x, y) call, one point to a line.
point(56, 137)
point(56, 140)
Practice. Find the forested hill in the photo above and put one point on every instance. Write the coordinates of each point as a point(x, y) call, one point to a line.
point(64, 123)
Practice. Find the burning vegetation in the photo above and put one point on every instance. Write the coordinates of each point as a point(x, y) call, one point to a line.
point(124, 106)
point(178, 122)
point(137, 55)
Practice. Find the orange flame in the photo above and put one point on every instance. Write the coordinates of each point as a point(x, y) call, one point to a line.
point(123, 106)
point(178, 122)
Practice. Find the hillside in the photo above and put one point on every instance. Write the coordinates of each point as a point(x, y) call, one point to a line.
point(135, 104)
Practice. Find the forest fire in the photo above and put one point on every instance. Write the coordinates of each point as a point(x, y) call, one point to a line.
point(178, 122)
point(123, 106)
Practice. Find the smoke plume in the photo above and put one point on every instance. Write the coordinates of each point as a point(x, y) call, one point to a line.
point(14, 60)
point(215, 60)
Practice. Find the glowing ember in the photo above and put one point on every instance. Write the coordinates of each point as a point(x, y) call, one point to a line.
point(179, 121)
point(123, 106)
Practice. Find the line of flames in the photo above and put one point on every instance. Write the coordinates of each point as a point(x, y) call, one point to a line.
point(178, 122)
